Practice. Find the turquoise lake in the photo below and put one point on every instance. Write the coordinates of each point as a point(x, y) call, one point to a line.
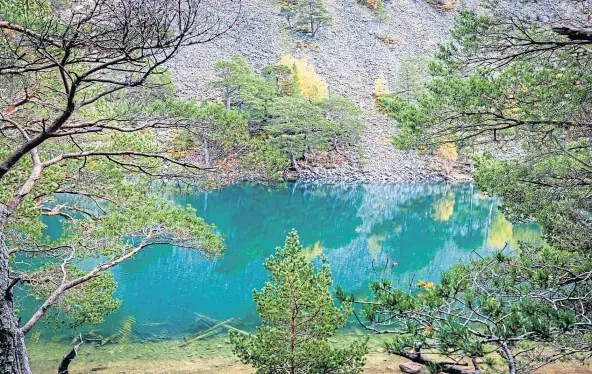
point(425, 228)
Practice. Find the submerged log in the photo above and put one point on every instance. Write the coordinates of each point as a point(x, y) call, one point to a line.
point(209, 332)
point(213, 321)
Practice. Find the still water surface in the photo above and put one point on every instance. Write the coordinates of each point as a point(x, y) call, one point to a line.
point(425, 228)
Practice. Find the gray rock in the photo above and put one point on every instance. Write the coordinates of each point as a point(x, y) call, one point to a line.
point(350, 56)
point(410, 367)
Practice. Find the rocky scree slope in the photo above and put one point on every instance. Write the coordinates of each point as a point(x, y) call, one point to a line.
point(350, 54)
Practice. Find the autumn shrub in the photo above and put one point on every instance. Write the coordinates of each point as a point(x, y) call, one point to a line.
point(381, 88)
point(443, 4)
point(449, 153)
point(372, 4)
point(377, 6)
point(389, 40)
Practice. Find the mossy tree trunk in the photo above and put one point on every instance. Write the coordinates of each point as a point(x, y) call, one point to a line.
point(13, 359)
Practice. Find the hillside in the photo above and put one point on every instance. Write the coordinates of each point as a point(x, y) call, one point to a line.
point(350, 54)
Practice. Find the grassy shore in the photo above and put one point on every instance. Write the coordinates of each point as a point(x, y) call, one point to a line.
point(213, 355)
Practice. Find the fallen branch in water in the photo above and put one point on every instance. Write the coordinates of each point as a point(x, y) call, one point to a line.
point(209, 332)
point(63, 369)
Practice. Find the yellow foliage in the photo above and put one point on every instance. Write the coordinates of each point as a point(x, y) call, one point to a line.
point(177, 154)
point(381, 87)
point(527, 233)
point(426, 285)
point(448, 4)
point(125, 332)
point(311, 252)
point(500, 232)
point(389, 40)
point(310, 84)
point(443, 209)
point(444, 4)
point(375, 244)
point(448, 153)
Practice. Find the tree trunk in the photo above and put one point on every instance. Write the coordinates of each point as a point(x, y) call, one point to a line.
point(334, 141)
point(507, 353)
point(207, 161)
point(67, 360)
point(312, 29)
point(227, 98)
point(293, 162)
point(574, 33)
point(13, 353)
point(293, 323)
point(22, 353)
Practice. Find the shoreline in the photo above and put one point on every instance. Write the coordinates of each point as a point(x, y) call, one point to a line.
point(213, 355)
point(355, 173)
point(173, 356)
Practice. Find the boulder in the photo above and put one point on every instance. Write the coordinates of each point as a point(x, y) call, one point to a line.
point(410, 367)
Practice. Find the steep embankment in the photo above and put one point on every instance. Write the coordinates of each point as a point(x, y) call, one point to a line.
point(350, 54)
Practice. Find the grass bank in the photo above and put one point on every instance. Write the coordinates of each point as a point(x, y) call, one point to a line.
point(212, 355)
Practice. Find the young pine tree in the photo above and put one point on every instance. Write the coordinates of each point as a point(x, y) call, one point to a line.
point(298, 316)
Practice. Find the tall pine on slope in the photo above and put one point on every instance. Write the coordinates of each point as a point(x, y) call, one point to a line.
point(312, 15)
point(233, 76)
point(298, 317)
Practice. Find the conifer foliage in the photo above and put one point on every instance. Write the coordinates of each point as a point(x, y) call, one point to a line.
point(305, 15)
point(506, 81)
point(298, 316)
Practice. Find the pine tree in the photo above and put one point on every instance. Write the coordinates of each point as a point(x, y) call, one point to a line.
point(233, 75)
point(344, 116)
point(297, 127)
point(288, 9)
point(312, 14)
point(298, 315)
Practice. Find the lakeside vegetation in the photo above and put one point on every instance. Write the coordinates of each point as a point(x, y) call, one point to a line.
point(88, 111)
point(505, 78)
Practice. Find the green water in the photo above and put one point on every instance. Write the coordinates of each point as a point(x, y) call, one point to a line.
point(423, 227)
